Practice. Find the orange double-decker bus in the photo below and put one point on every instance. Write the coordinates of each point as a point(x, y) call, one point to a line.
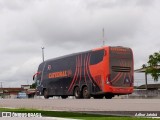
point(102, 72)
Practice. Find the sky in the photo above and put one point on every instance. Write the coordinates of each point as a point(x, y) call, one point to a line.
point(70, 26)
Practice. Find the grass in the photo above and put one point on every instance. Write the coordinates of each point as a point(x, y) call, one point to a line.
point(63, 114)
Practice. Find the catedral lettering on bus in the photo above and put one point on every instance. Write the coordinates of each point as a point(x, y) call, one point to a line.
point(102, 72)
point(58, 74)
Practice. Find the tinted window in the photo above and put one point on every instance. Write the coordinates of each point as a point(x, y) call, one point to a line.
point(96, 57)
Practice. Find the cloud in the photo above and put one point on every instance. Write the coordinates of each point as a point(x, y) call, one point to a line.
point(72, 26)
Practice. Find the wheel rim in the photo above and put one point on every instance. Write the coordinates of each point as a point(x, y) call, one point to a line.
point(85, 93)
point(45, 94)
point(76, 92)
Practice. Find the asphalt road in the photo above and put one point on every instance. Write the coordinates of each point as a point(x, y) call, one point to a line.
point(84, 104)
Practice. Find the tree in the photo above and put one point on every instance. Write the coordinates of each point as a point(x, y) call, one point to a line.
point(33, 85)
point(144, 66)
point(154, 65)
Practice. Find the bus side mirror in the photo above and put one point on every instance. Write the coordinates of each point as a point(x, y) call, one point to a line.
point(36, 75)
point(33, 77)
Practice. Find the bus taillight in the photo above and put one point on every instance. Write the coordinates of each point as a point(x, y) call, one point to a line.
point(108, 79)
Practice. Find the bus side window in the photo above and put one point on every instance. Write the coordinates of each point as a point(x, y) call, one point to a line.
point(38, 83)
point(96, 57)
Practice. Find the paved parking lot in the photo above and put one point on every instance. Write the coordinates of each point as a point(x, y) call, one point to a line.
point(84, 104)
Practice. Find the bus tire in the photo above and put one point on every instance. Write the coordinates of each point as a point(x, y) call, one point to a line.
point(77, 93)
point(109, 96)
point(46, 96)
point(64, 96)
point(85, 92)
point(98, 97)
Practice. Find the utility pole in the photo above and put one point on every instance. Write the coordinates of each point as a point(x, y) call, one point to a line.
point(103, 37)
point(1, 84)
point(42, 53)
point(27, 82)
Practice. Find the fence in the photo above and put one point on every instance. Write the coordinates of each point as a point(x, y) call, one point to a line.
point(138, 93)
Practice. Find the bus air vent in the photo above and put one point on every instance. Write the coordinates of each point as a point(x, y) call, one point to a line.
point(121, 69)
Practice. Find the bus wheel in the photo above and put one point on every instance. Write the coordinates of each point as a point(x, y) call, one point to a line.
point(109, 96)
point(98, 96)
point(77, 93)
point(46, 94)
point(64, 96)
point(86, 94)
